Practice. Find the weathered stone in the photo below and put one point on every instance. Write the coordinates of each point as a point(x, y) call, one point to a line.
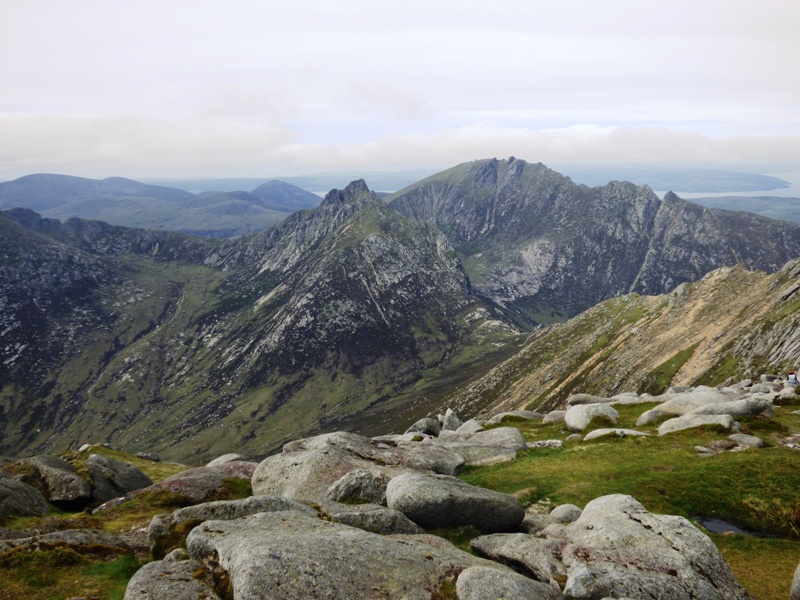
point(471, 426)
point(579, 416)
point(226, 458)
point(501, 443)
point(427, 425)
point(794, 593)
point(515, 415)
point(615, 432)
point(433, 501)
point(484, 583)
point(692, 420)
point(60, 480)
point(307, 468)
point(18, 499)
point(545, 444)
point(525, 553)
point(747, 407)
point(565, 513)
point(112, 478)
point(91, 542)
point(371, 517)
point(202, 483)
point(172, 580)
point(749, 441)
point(577, 399)
point(291, 555)
point(361, 485)
point(554, 416)
point(166, 532)
point(681, 404)
point(651, 416)
point(449, 421)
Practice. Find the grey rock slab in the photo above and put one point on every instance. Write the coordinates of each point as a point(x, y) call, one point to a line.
point(746, 407)
point(291, 555)
point(112, 478)
point(554, 416)
point(433, 501)
point(19, 499)
point(484, 583)
point(364, 485)
point(619, 549)
point(613, 432)
point(680, 404)
point(94, 542)
point(62, 483)
point(307, 468)
point(226, 458)
point(172, 580)
point(165, 531)
point(427, 425)
point(577, 399)
point(371, 517)
point(565, 513)
point(750, 441)
point(579, 416)
point(518, 415)
point(528, 554)
point(545, 444)
point(449, 421)
point(200, 483)
point(691, 421)
point(471, 426)
point(478, 447)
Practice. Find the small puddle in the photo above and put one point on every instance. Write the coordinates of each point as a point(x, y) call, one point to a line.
point(716, 525)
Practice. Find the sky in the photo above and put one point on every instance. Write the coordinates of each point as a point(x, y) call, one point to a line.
point(254, 88)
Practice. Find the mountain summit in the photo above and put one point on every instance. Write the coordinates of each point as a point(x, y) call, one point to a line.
point(543, 248)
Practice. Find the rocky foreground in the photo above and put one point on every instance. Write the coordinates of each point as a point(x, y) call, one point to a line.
point(344, 516)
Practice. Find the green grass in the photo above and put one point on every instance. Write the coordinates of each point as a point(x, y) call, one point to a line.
point(754, 488)
point(658, 380)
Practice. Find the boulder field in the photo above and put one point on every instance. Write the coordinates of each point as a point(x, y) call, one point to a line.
point(340, 515)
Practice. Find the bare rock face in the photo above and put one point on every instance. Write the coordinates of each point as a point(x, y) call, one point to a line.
point(361, 485)
point(20, 500)
point(173, 580)
point(482, 583)
point(441, 501)
point(112, 478)
point(326, 560)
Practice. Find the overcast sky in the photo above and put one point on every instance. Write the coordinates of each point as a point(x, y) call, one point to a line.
point(264, 88)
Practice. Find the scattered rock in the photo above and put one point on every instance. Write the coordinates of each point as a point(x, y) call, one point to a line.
point(565, 513)
point(427, 425)
point(525, 553)
point(545, 444)
point(605, 432)
point(579, 416)
point(112, 478)
point(226, 458)
point(471, 426)
point(449, 421)
point(747, 441)
point(747, 407)
point(371, 517)
point(515, 415)
point(692, 420)
point(434, 501)
point(577, 399)
point(89, 542)
point(554, 416)
point(60, 480)
point(476, 448)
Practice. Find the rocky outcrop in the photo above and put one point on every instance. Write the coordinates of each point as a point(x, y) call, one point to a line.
point(483, 583)
point(112, 478)
point(172, 580)
point(59, 480)
point(18, 499)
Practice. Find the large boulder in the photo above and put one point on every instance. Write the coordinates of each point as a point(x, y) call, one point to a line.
point(483, 583)
point(361, 485)
point(172, 580)
point(60, 480)
point(112, 478)
point(434, 501)
point(19, 499)
point(426, 425)
point(226, 458)
point(481, 447)
point(449, 421)
point(307, 468)
point(371, 517)
point(680, 404)
point(692, 420)
point(579, 416)
point(167, 532)
point(746, 407)
point(617, 549)
point(202, 484)
point(291, 555)
point(577, 399)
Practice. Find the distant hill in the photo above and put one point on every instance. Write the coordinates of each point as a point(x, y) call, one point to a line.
point(133, 204)
point(774, 207)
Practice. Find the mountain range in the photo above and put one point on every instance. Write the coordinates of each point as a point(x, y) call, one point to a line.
point(133, 204)
point(357, 313)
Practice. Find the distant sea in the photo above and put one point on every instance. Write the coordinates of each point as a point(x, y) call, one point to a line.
point(793, 177)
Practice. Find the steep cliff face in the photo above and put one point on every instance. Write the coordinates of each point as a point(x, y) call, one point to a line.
point(190, 345)
point(545, 249)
